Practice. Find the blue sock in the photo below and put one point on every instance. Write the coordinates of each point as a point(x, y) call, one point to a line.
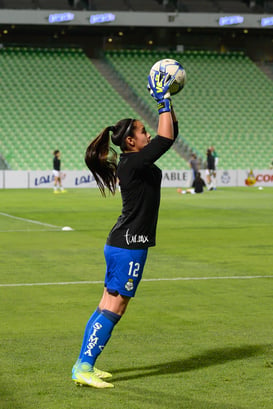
point(100, 333)
point(88, 330)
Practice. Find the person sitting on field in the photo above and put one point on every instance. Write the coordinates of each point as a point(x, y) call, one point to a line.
point(198, 183)
point(197, 186)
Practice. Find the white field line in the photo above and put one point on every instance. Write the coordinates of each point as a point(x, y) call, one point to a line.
point(144, 279)
point(26, 230)
point(29, 220)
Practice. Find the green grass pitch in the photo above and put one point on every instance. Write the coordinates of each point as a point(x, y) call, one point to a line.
point(198, 334)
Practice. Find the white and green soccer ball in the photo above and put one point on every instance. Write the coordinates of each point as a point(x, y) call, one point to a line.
point(171, 67)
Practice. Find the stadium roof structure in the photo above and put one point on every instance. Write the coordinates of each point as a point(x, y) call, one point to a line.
point(209, 6)
point(134, 19)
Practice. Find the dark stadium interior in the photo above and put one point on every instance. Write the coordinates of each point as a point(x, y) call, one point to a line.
point(256, 43)
point(208, 6)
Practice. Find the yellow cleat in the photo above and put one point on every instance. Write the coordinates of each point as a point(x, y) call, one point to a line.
point(87, 368)
point(90, 379)
point(102, 374)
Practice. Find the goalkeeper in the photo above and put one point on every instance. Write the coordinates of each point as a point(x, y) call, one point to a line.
point(135, 230)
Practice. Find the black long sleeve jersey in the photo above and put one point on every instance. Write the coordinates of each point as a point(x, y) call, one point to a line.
point(56, 163)
point(210, 162)
point(140, 181)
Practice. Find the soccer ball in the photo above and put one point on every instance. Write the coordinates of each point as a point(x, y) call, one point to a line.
point(172, 67)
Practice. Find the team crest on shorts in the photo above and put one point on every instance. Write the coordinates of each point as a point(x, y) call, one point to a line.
point(129, 285)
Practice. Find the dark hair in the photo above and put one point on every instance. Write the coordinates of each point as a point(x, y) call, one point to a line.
point(56, 152)
point(101, 158)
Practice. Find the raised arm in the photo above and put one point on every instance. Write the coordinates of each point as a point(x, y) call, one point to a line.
point(165, 125)
point(158, 86)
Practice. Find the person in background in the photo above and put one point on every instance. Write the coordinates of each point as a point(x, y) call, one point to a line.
point(198, 184)
point(215, 155)
point(57, 172)
point(210, 171)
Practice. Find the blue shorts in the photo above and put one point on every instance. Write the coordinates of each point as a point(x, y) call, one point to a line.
point(124, 268)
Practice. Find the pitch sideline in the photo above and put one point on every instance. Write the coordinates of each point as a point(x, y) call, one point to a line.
point(144, 280)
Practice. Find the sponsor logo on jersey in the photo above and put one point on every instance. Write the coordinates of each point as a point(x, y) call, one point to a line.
point(135, 238)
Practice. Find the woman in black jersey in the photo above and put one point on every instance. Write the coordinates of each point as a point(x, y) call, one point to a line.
point(57, 172)
point(134, 232)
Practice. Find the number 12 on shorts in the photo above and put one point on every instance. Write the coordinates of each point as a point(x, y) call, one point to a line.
point(133, 269)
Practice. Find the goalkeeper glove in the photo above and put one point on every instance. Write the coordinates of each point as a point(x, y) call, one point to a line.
point(158, 86)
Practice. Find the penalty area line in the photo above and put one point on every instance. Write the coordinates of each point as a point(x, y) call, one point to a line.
point(26, 231)
point(144, 279)
point(29, 220)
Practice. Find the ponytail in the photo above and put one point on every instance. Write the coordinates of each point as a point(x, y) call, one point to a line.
point(101, 158)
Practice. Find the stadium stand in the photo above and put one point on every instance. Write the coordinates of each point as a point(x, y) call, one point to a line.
point(227, 102)
point(56, 99)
